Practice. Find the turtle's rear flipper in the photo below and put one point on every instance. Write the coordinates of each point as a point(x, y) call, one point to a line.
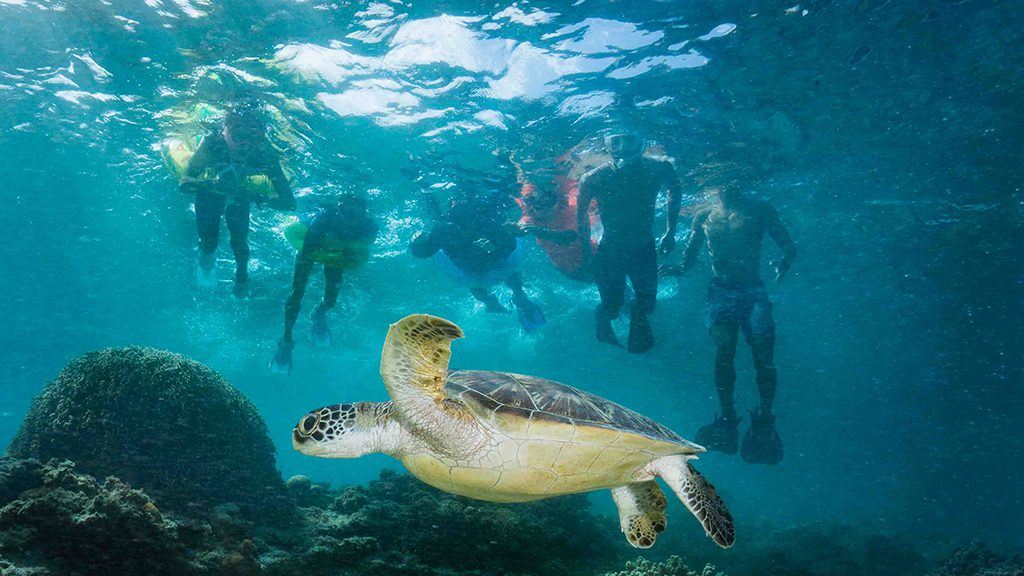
point(641, 512)
point(761, 443)
point(699, 496)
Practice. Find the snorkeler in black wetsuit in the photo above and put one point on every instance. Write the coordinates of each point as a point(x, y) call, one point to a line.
point(339, 238)
point(218, 173)
point(733, 228)
point(625, 190)
point(476, 247)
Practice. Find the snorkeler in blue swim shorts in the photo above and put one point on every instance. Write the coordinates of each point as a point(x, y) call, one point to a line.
point(473, 243)
point(733, 228)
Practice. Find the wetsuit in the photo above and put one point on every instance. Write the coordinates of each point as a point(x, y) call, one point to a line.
point(219, 182)
point(625, 200)
point(460, 242)
point(475, 247)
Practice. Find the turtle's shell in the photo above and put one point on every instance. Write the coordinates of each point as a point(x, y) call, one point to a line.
point(531, 398)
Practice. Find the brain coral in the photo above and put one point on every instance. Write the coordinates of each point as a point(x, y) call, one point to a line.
point(159, 421)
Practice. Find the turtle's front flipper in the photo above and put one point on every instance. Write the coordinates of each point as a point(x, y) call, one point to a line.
point(641, 512)
point(699, 496)
point(414, 363)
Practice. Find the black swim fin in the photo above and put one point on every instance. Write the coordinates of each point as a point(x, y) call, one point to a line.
point(762, 443)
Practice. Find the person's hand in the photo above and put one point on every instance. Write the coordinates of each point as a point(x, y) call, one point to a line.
point(486, 245)
point(518, 229)
point(189, 185)
point(670, 270)
point(667, 244)
point(780, 267)
point(527, 229)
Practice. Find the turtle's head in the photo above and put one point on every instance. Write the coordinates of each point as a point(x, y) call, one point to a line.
point(341, 430)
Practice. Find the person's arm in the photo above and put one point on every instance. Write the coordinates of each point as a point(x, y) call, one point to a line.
point(556, 236)
point(675, 192)
point(285, 200)
point(693, 246)
point(583, 213)
point(201, 160)
point(778, 233)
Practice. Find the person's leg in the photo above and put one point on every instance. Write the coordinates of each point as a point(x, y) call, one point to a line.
point(723, 434)
point(530, 316)
point(762, 347)
point(237, 218)
point(762, 443)
point(332, 285)
point(643, 275)
point(725, 336)
point(485, 296)
point(610, 277)
point(209, 208)
point(303, 268)
point(282, 362)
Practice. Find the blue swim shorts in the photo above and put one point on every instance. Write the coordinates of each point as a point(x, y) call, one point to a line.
point(747, 306)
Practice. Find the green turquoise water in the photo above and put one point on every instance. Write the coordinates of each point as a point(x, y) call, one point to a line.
point(890, 132)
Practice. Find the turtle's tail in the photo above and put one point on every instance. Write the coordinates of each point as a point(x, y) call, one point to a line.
point(699, 496)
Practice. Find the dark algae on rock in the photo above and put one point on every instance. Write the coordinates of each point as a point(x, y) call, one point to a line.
point(160, 422)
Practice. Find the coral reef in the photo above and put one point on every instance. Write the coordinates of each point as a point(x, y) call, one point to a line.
point(56, 521)
point(160, 422)
point(673, 566)
point(53, 521)
point(819, 550)
point(977, 560)
point(398, 525)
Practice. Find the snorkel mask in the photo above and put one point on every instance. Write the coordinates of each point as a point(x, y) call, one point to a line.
point(623, 147)
point(244, 124)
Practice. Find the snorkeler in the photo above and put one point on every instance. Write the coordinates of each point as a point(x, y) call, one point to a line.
point(339, 238)
point(733, 228)
point(221, 173)
point(475, 247)
point(625, 189)
point(549, 214)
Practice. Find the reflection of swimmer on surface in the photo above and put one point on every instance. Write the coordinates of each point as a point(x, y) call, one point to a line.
point(473, 244)
point(625, 189)
point(733, 228)
point(339, 238)
point(549, 214)
point(229, 170)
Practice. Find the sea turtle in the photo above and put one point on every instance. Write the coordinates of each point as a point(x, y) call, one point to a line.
point(505, 437)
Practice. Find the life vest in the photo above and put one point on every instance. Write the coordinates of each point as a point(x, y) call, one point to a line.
point(177, 151)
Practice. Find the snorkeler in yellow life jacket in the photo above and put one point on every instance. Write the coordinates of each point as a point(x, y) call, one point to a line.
point(339, 238)
point(230, 169)
point(177, 152)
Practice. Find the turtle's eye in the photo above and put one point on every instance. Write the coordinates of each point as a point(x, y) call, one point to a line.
point(308, 424)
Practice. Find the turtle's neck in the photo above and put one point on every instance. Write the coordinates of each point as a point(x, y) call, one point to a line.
point(389, 437)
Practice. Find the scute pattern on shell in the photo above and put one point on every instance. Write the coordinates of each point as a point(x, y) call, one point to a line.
point(529, 396)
